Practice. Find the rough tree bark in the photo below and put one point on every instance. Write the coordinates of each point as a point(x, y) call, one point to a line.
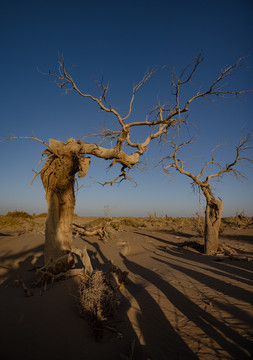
point(213, 214)
point(58, 178)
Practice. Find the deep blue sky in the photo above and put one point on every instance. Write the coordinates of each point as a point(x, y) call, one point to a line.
point(121, 40)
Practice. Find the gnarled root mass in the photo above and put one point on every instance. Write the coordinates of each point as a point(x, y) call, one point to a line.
point(65, 266)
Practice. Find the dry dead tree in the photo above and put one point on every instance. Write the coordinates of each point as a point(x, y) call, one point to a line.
point(214, 207)
point(216, 89)
point(64, 160)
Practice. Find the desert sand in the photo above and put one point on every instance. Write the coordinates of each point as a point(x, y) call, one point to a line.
point(176, 303)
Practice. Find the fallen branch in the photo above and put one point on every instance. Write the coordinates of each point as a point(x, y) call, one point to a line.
point(100, 230)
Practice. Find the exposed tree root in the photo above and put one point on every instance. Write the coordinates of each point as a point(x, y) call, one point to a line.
point(49, 271)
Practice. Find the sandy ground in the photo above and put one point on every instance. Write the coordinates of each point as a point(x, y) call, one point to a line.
point(176, 304)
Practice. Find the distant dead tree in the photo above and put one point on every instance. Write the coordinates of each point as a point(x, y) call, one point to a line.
point(64, 160)
point(214, 206)
point(218, 88)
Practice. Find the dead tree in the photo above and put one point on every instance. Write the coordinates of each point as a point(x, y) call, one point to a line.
point(214, 207)
point(64, 160)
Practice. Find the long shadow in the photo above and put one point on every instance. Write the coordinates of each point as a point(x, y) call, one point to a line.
point(176, 233)
point(245, 238)
point(93, 255)
point(219, 269)
point(22, 265)
point(235, 311)
point(241, 268)
point(125, 303)
point(227, 338)
point(167, 242)
point(152, 322)
point(162, 345)
point(213, 282)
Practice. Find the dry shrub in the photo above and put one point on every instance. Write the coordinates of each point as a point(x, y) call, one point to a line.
point(42, 215)
point(98, 301)
point(130, 222)
point(242, 220)
point(15, 218)
point(238, 221)
point(19, 214)
point(199, 224)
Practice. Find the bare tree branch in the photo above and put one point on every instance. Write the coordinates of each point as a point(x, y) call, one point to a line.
point(165, 117)
point(245, 143)
point(26, 137)
point(123, 176)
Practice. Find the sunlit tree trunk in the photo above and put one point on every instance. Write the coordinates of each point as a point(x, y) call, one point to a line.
point(58, 178)
point(213, 214)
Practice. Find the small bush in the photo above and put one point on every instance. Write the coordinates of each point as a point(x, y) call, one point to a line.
point(98, 301)
point(240, 220)
point(15, 218)
point(130, 222)
point(42, 215)
point(19, 214)
point(199, 224)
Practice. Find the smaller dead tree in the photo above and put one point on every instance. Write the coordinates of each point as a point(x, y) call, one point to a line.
point(214, 206)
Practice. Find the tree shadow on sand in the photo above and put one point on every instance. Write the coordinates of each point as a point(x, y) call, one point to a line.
point(156, 344)
point(241, 270)
point(228, 339)
point(244, 238)
point(47, 324)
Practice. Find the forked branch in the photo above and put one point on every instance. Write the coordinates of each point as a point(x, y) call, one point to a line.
point(244, 144)
point(123, 176)
point(160, 119)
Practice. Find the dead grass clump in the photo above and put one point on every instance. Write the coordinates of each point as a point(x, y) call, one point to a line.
point(130, 222)
point(19, 214)
point(198, 223)
point(238, 221)
point(179, 224)
point(98, 301)
point(42, 215)
point(15, 218)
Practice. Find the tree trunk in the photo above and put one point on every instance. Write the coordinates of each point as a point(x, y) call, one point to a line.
point(213, 215)
point(58, 234)
point(58, 178)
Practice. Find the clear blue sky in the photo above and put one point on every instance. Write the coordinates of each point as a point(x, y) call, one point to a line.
point(120, 40)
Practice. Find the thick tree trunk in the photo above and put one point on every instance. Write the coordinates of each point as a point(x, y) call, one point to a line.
point(58, 235)
point(58, 178)
point(213, 214)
